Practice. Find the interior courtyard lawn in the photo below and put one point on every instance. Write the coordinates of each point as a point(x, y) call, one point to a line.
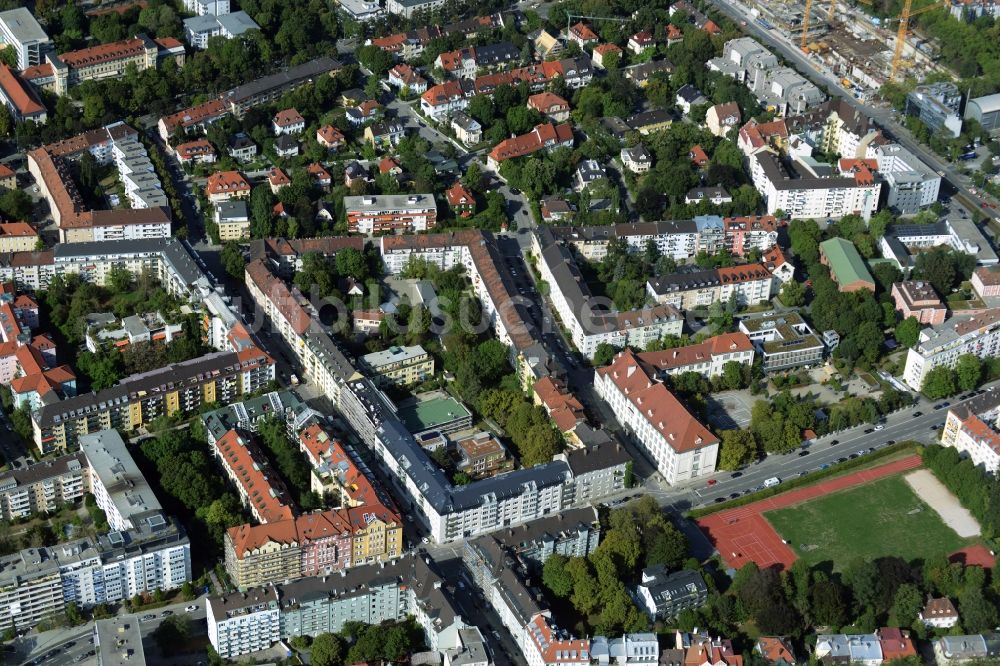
point(877, 519)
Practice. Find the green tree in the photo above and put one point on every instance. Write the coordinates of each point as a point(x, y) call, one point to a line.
point(828, 603)
point(939, 383)
point(908, 332)
point(739, 447)
point(604, 354)
point(172, 634)
point(232, 259)
point(968, 371)
point(327, 650)
point(556, 577)
point(15, 205)
point(793, 294)
point(906, 605)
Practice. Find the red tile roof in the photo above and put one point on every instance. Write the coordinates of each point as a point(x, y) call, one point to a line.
point(278, 293)
point(18, 93)
point(287, 117)
point(669, 359)
point(698, 156)
point(17, 229)
point(657, 404)
point(330, 134)
point(743, 273)
point(221, 182)
point(192, 149)
point(95, 55)
point(582, 31)
point(541, 137)
point(263, 490)
point(278, 178)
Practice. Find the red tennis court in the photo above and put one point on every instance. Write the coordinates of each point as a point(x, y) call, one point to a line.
point(743, 535)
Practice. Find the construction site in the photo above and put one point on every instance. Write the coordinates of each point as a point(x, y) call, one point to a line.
point(858, 48)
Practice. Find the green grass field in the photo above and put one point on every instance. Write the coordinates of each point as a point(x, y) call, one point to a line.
point(870, 521)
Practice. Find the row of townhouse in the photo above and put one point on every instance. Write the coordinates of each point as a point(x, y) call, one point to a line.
point(241, 98)
point(241, 623)
point(679, 239)
point(501, 579)
point(941, 345)
point(444, 99)
point(779, 89)
point(67, 70)
point(144, 551)
point(149, 216)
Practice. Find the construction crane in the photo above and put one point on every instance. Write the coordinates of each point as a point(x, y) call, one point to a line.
point(805, 25)
point(904, 24)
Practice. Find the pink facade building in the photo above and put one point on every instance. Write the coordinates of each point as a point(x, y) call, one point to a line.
point(919, 300)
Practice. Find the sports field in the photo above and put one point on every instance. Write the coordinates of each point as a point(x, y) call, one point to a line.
point(880, 518)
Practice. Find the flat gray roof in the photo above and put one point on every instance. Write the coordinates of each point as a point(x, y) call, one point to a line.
point(119, 642)
point(20, 23)
point(110, 459)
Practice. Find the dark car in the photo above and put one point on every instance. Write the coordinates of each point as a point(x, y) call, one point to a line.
point(733, 495)
point(935, 426)
point(719, 499)
point(890, 442)
point(840, 460)
point(916, 414)
point(735, 475)
point(835, 442)
point(869, 431)
point(166, 613)
point(514, 190)
point(803, 453)
point(853, 456)
point(946, 404)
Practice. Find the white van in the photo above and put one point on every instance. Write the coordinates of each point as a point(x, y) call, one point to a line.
point(772, 482)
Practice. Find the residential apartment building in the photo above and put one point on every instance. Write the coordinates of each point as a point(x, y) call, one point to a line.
point(986, 281)
point(571, 533)
point(143, 552)
point(783, 341)
point(196, 118)
point(20, 31)
point(200, 29)
point(226, 185)
point(911, 185)
point(918, 299)
point(450, 512)
point(370, 214)
point(682, 448)
point(315, 544)
point(807, 192)
point(116, 483)
point(42, 487)
point(117, 143)
point(941, 345)
point(138, 399)
point(748, 284)
point(937, 106)
point(241, 623)
point(707, 358)
point(233, 220)
point(589, 325)
point(664, 595)
point(404, 366)
point(971, 429)
point(261, 490)
point(202, 7)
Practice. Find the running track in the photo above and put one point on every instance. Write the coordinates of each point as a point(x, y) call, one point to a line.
point(743, 534)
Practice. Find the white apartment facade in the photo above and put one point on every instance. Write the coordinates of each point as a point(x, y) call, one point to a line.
point(248, 623)
point(204, 7)
point(811, 197)
point(682, 448)
point(974, 435)
point(943, 344)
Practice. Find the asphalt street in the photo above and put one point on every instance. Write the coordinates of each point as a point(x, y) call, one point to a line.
point(62, 647)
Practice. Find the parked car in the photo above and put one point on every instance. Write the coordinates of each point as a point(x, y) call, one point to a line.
point(191, 608)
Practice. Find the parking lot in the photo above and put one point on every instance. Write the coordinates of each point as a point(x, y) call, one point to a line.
point(730, 409)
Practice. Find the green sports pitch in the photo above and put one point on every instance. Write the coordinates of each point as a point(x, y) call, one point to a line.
point(874, 520)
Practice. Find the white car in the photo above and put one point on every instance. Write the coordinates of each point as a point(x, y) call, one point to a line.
point(192, 608)
point(880, 427)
